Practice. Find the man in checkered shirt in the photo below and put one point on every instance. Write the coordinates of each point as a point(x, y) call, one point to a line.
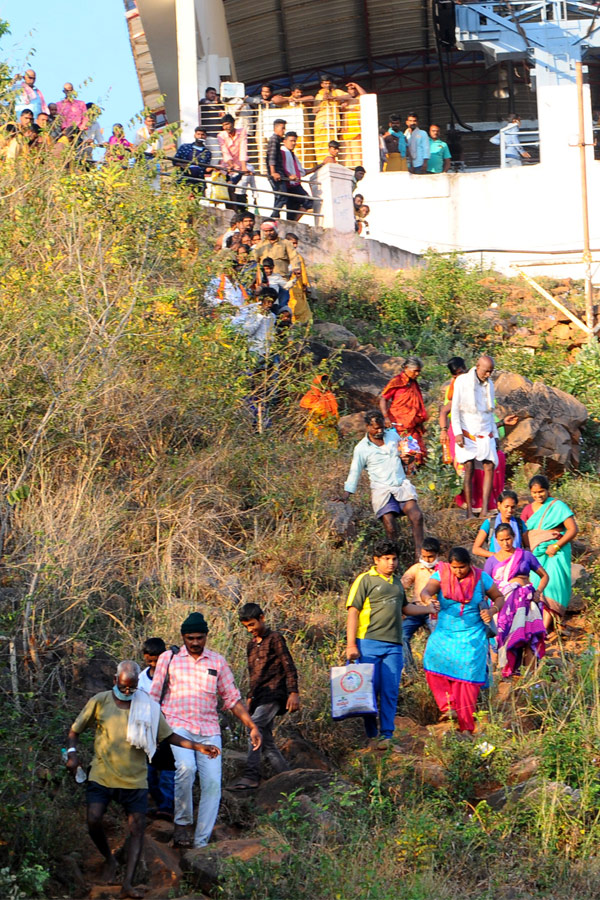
point(195, 678)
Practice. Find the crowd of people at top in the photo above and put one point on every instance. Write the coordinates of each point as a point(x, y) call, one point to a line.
point(67, 127)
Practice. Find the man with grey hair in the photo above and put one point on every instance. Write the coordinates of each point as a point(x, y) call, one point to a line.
point(475, 430)
point(129, 725)
point(29, 96)
point(403, 408)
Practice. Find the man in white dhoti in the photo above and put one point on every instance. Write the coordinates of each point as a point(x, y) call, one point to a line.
point(474, 428)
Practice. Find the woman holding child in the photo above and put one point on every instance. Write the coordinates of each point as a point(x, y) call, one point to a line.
point(456, 656)
point(552, 528)
point(521, 630)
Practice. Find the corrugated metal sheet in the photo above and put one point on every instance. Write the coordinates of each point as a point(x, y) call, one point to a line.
point(283, 40)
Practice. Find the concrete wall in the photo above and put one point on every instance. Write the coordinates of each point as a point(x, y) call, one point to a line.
point(500, 216)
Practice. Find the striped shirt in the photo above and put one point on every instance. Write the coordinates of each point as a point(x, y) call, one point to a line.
point(194, 686)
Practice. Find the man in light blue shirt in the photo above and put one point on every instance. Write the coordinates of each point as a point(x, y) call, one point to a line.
point(418, 145)
point(514, 152)
point(439, 153)
point(392, 494)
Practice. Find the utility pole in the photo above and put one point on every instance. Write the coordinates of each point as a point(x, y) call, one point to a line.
point(587, 256)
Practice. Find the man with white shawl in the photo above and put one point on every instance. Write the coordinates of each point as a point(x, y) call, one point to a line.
point(474, 428)
point(129, 725)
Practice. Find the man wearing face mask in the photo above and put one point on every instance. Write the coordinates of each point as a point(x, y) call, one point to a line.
point(129, 725)
point(194, 159)
point(413, 581)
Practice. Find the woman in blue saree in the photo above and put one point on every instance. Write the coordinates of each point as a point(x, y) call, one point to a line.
point(551, 527)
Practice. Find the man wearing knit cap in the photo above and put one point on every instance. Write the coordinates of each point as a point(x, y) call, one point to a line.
point(195, 678)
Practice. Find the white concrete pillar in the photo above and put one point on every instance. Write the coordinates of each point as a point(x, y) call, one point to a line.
point(187, 66)
point(333, 185)
point(215, 57)
point(369, 130)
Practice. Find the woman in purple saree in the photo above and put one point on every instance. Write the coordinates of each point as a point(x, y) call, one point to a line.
point(521, 631)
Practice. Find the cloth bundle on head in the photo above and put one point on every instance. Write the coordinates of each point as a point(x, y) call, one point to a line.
point(142, 725)
point(268, 226)
point(195, 624)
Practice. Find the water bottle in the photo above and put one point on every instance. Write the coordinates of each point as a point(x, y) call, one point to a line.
point(80, 776)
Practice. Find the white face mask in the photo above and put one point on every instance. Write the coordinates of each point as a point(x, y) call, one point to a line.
point(429, 565)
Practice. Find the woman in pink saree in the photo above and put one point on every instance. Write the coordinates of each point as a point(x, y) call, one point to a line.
point(521, 630)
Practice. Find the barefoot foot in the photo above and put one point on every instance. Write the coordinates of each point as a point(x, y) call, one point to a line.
point(109, 871)
point(129, 891)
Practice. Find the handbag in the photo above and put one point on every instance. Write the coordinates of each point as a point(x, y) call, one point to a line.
point(163, 759)
point(353, 690)
point(537, 536)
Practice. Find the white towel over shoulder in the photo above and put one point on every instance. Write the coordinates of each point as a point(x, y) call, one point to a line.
point(142, 728)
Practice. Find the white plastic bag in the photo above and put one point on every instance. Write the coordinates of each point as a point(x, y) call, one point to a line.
point(353, 690)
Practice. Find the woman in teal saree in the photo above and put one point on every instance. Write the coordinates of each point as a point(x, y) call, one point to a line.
point(551, 527)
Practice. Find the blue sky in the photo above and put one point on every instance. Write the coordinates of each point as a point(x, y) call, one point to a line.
point(83, 41)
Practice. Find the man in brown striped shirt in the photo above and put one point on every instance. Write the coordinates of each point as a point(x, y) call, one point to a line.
point(273, 690)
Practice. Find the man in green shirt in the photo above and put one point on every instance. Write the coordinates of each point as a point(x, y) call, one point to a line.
point(119, 767)
point(439, 153)
point(374, 633)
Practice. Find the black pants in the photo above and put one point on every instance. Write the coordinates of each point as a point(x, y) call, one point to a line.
point(302, 201)
point(280, 200)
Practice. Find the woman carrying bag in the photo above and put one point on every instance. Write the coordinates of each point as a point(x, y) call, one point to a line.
point(551, 528)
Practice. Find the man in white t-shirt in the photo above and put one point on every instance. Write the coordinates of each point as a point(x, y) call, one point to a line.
point(161, 784)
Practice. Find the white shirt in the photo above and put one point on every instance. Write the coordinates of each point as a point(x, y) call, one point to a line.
point(512, 144)
point(93, 133)
point(473, 414)
point(473, 405)
point(292, 165)
point(154, 141)
point(257, 326)
point(223, 290)
point(144, 681)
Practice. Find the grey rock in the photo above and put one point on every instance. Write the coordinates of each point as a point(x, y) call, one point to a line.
point(341, 518)
point(336, 335)
point(361, 381)
point(352, 425)
point(309, 781)
point(550, 421)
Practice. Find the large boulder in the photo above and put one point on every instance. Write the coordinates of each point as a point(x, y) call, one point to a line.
point(352, 425)
point(204, 865)
point(361, 381)
point(335, 335)
point(341, 518)
point(310, 781)
point(550, 421)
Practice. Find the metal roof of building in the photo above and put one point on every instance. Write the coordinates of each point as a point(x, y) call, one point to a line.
point(274, 38)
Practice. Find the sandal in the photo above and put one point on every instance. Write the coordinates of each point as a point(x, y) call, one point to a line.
point(244, 784)
point(182, 839)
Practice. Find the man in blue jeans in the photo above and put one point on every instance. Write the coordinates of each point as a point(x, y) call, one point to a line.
point(374, 634)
